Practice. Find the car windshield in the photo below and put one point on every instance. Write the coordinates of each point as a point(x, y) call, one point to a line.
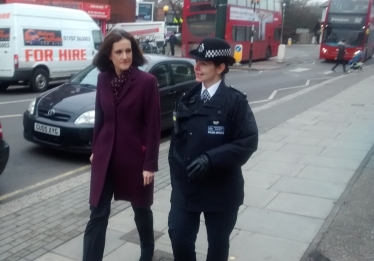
point(332, 35)
point(88, 77)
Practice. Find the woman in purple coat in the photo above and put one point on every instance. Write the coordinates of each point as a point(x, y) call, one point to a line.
point(125, 143)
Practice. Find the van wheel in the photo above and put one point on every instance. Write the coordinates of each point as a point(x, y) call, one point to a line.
point(4, 86)
point(39, 81)
point(268, 54)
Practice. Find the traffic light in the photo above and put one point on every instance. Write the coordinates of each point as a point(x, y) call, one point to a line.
point(257, 2)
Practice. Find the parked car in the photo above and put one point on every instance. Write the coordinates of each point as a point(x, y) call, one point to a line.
point(4, 152)
point(63, 118)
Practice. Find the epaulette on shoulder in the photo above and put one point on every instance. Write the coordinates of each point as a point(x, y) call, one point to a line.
point(238, 91)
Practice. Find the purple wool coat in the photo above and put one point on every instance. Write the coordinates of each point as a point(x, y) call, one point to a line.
point(126, 138)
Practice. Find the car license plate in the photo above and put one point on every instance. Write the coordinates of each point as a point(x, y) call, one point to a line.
point(47, 129)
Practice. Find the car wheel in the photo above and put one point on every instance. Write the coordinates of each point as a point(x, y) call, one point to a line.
point(268, 54)
point(4, 86)
point(39, 80)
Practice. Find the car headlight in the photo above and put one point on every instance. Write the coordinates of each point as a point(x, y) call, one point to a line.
point(32, 106)
point(86, 118)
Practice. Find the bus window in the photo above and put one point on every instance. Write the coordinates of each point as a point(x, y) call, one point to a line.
point(263, 5)
point(232, 2)
point(277, 6)
point(242, 2)
point(271, 5)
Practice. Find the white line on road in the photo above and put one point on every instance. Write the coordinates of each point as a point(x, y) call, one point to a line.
point(328, 72)
point(9, 102)
point(307, 83)
point(300, 69)
point(272, 95)
point(11, 116)
point(254, 102)
point(37, 185)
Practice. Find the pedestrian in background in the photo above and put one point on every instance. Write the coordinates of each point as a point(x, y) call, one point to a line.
point(125, 144)
point(215, 133)
point(172, 42)
point(340, 56)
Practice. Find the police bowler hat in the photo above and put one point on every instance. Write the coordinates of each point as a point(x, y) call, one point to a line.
point(213, 49)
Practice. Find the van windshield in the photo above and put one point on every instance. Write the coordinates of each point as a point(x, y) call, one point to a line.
point(97, 38)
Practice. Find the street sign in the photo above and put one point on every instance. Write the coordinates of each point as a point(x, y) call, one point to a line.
point(238, 53)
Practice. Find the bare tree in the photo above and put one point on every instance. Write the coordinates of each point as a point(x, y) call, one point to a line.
point(300, 14)
point(176, 6)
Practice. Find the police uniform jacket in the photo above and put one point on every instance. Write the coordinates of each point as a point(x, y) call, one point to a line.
point(224, 128)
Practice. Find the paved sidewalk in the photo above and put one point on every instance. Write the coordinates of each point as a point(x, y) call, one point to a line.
point(293, 181)
point(300, 170)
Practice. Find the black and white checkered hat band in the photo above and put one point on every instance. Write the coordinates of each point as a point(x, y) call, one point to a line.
point(217, 53)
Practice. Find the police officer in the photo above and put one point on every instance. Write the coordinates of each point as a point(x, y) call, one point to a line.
point(215, 133)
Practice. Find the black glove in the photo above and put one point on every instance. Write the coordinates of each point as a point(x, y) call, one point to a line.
point(199, 168)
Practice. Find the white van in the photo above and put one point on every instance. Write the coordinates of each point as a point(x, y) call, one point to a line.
point(42, 43)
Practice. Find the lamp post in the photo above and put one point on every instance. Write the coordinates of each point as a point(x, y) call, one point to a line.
point(166, 9)
point(253, 2)
point(283, 9)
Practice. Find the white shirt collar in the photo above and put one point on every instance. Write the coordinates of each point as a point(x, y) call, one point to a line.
point(212, 89)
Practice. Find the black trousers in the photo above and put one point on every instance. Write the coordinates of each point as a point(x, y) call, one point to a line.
point(184, 226)
point(94, 236)
point(338, 62)
point(172, 49)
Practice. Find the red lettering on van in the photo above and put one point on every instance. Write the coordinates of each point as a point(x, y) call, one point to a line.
point(28, 54)
point(83, 54)
point(5, 16)
point(62, 55)
point(72, 55)
point(38, 55)
point(49, 55)
point(76, 55)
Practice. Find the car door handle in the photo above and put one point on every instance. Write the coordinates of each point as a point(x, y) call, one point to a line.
point(172, 92)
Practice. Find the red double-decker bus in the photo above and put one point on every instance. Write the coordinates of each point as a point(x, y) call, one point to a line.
point(352, 20)
point(199, 18)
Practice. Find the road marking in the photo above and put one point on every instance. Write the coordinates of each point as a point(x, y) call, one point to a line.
point(328, 72)
point(9, 102)
point(307, 83)
point(11, 116)
point(300, 69)
point(37, 185)
point(272, 95)
point(254, 102)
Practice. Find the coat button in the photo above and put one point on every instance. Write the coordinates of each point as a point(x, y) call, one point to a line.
point(190, 133)
point(188, 158)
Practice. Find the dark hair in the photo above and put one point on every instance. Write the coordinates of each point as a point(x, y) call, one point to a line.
point(225, 71)
point(102, 61)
